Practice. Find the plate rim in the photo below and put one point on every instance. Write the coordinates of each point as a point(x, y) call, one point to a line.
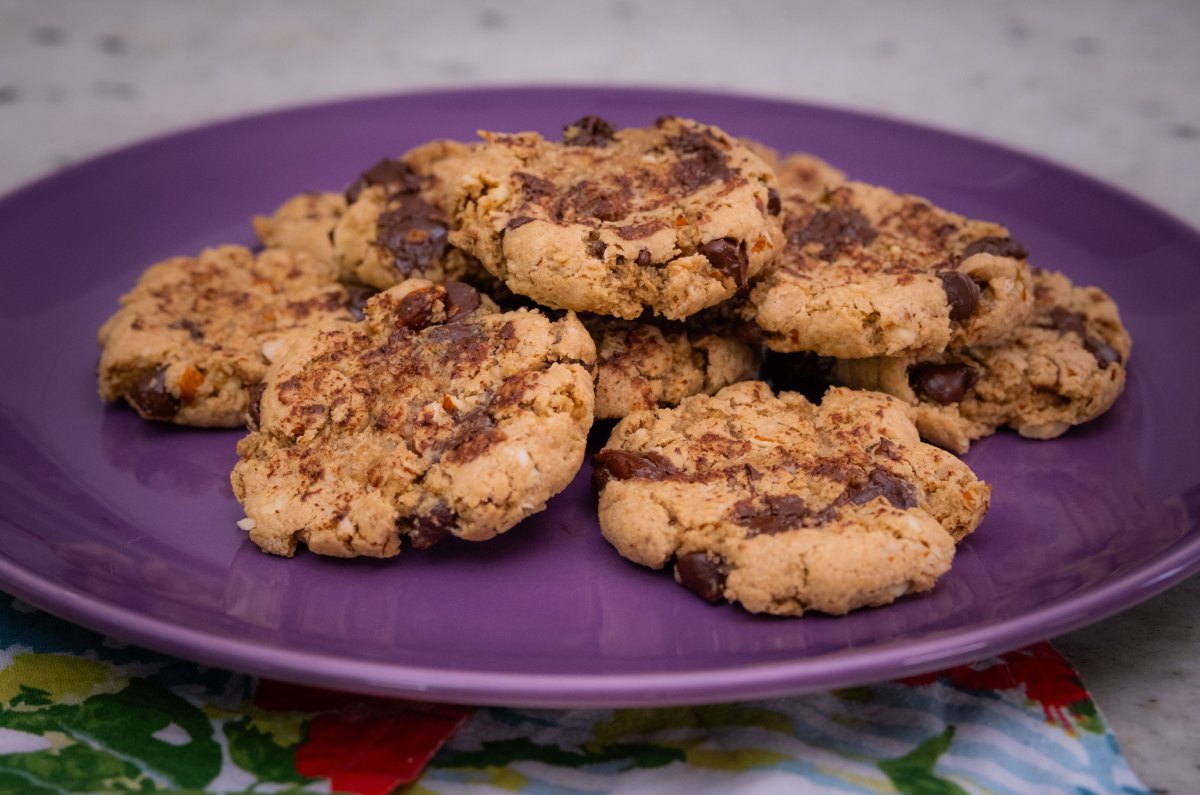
point(1152, 576)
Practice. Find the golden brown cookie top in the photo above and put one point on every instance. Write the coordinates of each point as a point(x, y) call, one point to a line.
point(674, 217)
point(436, 415)
point(869, 272)
point(196, 333)
point(1063, 367)
point(749, 492)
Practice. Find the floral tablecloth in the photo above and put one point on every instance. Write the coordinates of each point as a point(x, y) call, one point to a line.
point(81, 713)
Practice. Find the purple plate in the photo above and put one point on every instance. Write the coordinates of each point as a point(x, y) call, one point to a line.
point(129, 528)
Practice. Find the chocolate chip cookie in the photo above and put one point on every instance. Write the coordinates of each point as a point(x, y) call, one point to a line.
point(197, 333)
point(868, 272)
point(785, 506)
point(1065, 366)
point(799, 172)
point(304, 223)
point(396, 225)
point(648, 363)
point(437, 415)
point(672, 218)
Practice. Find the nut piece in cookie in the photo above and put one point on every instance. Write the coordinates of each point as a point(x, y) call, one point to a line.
point(196, 334)
point(670, 218)
point(648, 363)
point(1065, 366)
point(785, 506)
point(868, 272)
point(437, 415)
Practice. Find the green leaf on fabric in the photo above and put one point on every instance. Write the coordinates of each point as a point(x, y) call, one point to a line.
point(125, 723)
point(498, 753)
point(735, 759)
point(128, 721)
point(627, 723)
point(1086, 717)
point(855, 695)
point(15, 782)
point(75, 768)
point(912, 774)
point(30, 697)
point(257, 752)
point(61, 676)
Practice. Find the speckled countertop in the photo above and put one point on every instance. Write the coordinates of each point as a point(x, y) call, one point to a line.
point(1107, 87)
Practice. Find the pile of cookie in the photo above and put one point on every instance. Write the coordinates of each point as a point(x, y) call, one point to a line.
point(425, 354)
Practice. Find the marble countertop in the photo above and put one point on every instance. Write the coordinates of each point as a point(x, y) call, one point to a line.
point(1106, 87)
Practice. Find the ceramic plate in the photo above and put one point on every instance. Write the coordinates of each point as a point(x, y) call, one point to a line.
point(129, 527)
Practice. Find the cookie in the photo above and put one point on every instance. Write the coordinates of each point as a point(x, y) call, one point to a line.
point(197, 333)
point(868, 272)
point(303, 223)
point(1065, 366)
point(785, 506)
point(395, 226)
point(670, 218)
point(645, 364)
point(437, 415)
point(799, 172)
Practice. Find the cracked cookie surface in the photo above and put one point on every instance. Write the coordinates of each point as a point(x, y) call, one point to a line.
point(869, 272)
point(785, 506)
point(437, 415)
point(644, 364)
point(197, 333)
point(1065, 366)
point(673, 218)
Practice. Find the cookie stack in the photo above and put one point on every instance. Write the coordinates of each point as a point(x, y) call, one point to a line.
point(424, 356)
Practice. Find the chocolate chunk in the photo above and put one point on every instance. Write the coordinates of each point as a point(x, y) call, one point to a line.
point(428, 530)
point(996, 246)
point(701, 162)
point(1068, 322)
point(1105, 354)
point(518, 222)
point(610, 464)
point(357, 296)
point(414, 233)
point(396, 174)
point(640, 231)
point(461, 298)
point(887, 449)
point(151, 397)
point(416, 309)
point(962, 293)
point(588, 131)
point(835, 230)
point(774, 205)
point(254, 406)
point(943, 383)
point(701, 575)
point(775, 515)
point(535, 188)
point(191, 327)
point(643, 258)
point(728, 256)
point(588, 200)
point(880, 483)
point(595, 246)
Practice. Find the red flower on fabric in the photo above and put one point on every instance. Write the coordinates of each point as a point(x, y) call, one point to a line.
point(363, 745)
point(1045, 675)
